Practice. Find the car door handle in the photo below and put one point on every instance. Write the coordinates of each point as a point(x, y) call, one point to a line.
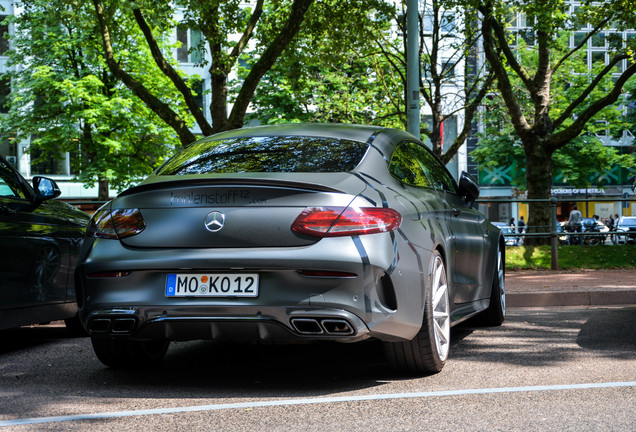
point(456, 212)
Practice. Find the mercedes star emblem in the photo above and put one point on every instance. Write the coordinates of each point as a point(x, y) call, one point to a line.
point(214, 221)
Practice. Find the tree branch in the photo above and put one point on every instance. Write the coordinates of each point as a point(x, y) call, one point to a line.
point(517, 117)
point(266, 61)
point(167, 69)
point(470, 112)
point(155, 104)
point(562, 138)
point(580, 45)
point(588, 90)
point(510, 56)
point(249, 30)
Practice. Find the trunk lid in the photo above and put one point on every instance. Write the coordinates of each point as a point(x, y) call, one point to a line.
point(233, 211)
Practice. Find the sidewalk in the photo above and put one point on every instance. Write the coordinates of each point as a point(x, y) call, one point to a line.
point(542, 288)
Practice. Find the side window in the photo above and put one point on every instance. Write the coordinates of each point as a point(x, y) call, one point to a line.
point(9, 185)
point(439, 176)
point(404, 167)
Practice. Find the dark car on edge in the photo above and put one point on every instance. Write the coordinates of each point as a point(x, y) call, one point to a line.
point(292, 233)
point(40, 239)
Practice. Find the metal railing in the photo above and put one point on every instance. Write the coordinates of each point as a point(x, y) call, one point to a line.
point(553, 232)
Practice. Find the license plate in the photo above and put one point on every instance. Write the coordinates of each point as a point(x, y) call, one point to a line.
point(212, 285)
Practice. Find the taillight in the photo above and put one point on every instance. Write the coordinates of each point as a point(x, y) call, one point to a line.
point(116, 223)
point(349, 221)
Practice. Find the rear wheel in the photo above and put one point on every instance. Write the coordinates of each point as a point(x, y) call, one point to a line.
point(123, 353)
point(428, 351)
point(74, 326)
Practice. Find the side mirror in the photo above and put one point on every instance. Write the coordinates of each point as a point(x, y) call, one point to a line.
point(468, 188)
point(45, 188)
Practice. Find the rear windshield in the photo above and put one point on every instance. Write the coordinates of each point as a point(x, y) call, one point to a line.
point(266, 154)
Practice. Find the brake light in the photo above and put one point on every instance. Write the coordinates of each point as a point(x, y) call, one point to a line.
point(349, 221)
point(116, 223)
point(327, 274)
point(114, 274)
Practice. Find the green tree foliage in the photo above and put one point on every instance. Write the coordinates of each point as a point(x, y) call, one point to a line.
point(364, 79)
point(630, 108)
point(228, 29)
point(333, 71)
point(286, 58)
point(64, 99)
point(348, 91)
point(550, 97)
point(580, 164)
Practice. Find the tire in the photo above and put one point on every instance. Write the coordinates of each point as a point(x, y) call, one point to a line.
point(74, 327)
point(593, 241)
point(428, 350)
point(495, 314)
point(618, 239)
point(123, 353)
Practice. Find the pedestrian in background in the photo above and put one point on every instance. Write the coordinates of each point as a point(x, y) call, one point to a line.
point(575, 221)
point(522, 228)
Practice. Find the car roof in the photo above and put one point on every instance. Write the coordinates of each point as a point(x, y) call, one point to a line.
point(360, 133)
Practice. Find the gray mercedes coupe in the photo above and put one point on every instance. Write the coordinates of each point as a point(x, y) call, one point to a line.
point(292, 232)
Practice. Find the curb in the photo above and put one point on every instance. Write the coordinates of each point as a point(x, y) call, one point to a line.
point(571, 298)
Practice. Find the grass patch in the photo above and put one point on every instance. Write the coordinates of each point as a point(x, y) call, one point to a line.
point(571, 257)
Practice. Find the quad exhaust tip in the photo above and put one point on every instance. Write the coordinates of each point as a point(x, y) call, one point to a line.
point(111, 325)
point(318, 326)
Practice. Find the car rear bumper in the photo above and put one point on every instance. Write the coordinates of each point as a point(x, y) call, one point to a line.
point(265, 325)
point(360, 304)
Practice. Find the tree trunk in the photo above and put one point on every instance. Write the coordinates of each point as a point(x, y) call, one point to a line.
point(539, 183)
point(218, 107)
point(102, 190)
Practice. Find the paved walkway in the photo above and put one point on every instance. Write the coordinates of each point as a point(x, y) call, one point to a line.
point(541, 288)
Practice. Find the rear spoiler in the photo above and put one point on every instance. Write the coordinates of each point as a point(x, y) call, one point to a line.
point(160, 182)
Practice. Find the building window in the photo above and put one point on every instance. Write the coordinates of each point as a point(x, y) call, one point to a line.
point(5, 91)
point(597, 58)
point(578, 38)
point(45, 163)
point(427, 24)
point(190, 50)
point(448, 68)
point(447, 22)
point(598, 40)
point(4, 33)
point(197, 88)
point(8, 149)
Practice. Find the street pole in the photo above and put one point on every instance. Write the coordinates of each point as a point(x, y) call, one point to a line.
point(412, 68)
point(554, 239)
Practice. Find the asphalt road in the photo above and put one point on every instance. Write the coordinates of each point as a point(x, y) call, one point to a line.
point(547, 370)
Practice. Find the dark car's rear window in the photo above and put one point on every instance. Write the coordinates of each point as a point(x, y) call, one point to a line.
point(266, 154)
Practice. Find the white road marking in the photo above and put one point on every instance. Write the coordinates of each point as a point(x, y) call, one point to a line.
point(309, 401)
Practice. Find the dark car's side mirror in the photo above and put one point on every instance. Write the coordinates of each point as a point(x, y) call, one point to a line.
point(468, 188)
point(45, 188)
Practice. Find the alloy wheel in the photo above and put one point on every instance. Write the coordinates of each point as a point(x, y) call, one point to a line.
point(441, 315)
